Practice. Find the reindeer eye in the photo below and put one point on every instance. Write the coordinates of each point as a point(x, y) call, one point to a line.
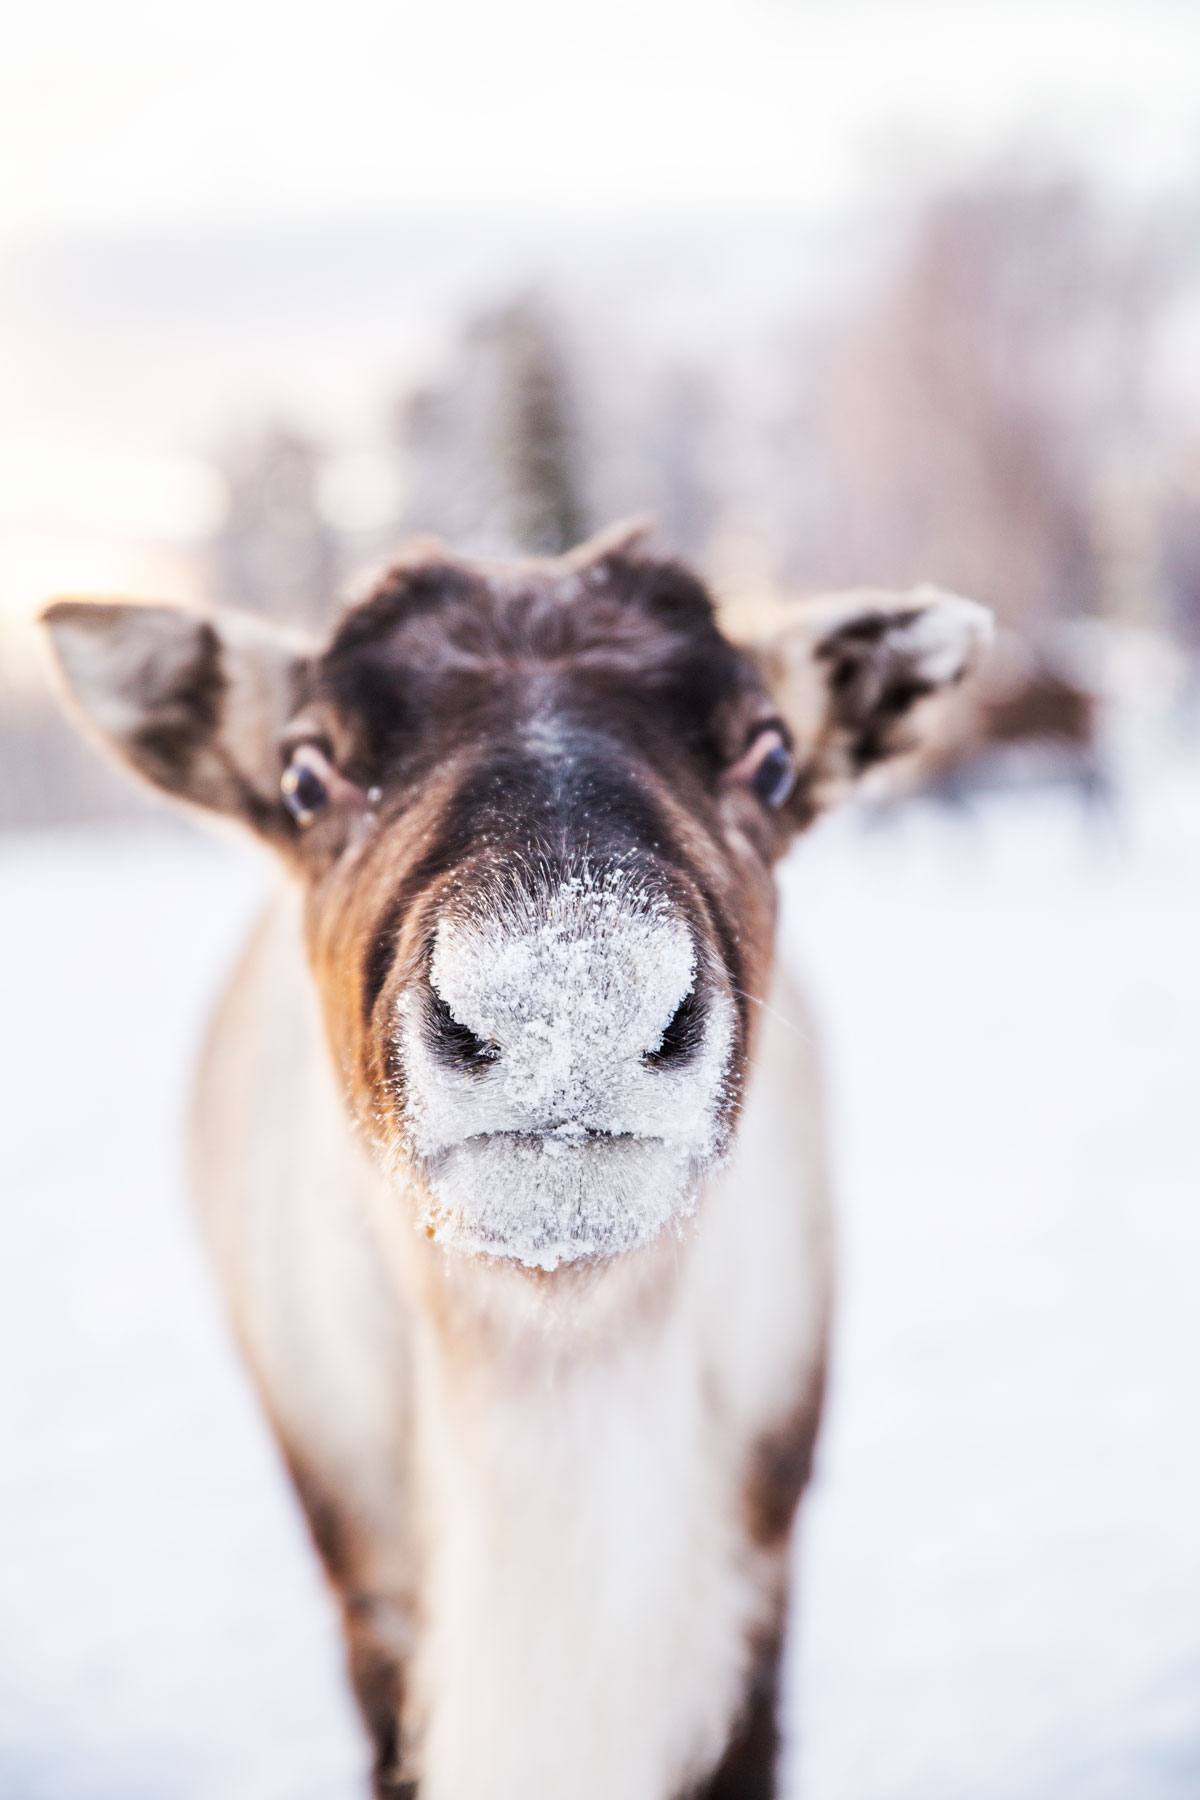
point(774, 776)
point(767, 767)
point(304, 784)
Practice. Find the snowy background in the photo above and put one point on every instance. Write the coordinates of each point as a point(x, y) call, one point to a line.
point(928, 312)
point(1000, 1568)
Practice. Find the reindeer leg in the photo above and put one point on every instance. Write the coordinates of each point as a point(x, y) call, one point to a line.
point(779, 1473)
point(747, 1771)
point(377, 1675)
point(377, 1628)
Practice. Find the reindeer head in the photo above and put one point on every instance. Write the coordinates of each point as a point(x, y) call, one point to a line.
point(535, 811)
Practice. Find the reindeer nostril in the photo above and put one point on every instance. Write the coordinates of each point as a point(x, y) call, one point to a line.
point(455, 1042)
point(683, 1036)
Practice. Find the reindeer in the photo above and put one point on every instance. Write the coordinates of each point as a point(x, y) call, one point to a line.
point(508, 1138)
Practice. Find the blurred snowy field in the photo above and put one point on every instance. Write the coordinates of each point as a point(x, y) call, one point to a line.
point(1000, 1569)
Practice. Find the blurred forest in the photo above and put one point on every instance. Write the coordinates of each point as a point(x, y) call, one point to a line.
point(990, 397)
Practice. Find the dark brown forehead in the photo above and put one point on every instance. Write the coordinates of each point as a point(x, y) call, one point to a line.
point(536, 610)
point(437, 635)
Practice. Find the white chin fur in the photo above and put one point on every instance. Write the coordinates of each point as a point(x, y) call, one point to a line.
point(570, 1146)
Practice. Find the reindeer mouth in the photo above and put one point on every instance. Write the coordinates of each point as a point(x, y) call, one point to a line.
point(543, 1199)
point(552, 1139)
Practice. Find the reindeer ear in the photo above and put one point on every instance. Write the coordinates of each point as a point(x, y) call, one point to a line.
point(850, 674)
point(193, 702)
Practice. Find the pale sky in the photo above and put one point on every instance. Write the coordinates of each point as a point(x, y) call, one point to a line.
point(140, 112)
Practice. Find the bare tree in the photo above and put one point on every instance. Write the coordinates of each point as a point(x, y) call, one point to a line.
point(493, 449)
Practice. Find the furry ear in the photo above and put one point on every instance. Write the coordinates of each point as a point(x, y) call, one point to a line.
point(192, 701)
point(849, 673)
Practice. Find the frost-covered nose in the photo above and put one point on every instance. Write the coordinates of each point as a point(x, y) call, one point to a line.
point(578, 1011)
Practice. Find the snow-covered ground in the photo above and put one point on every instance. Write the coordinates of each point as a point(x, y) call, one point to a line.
point(1000, 1571)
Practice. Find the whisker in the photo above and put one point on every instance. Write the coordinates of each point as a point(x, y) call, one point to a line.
point(781, 1018)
